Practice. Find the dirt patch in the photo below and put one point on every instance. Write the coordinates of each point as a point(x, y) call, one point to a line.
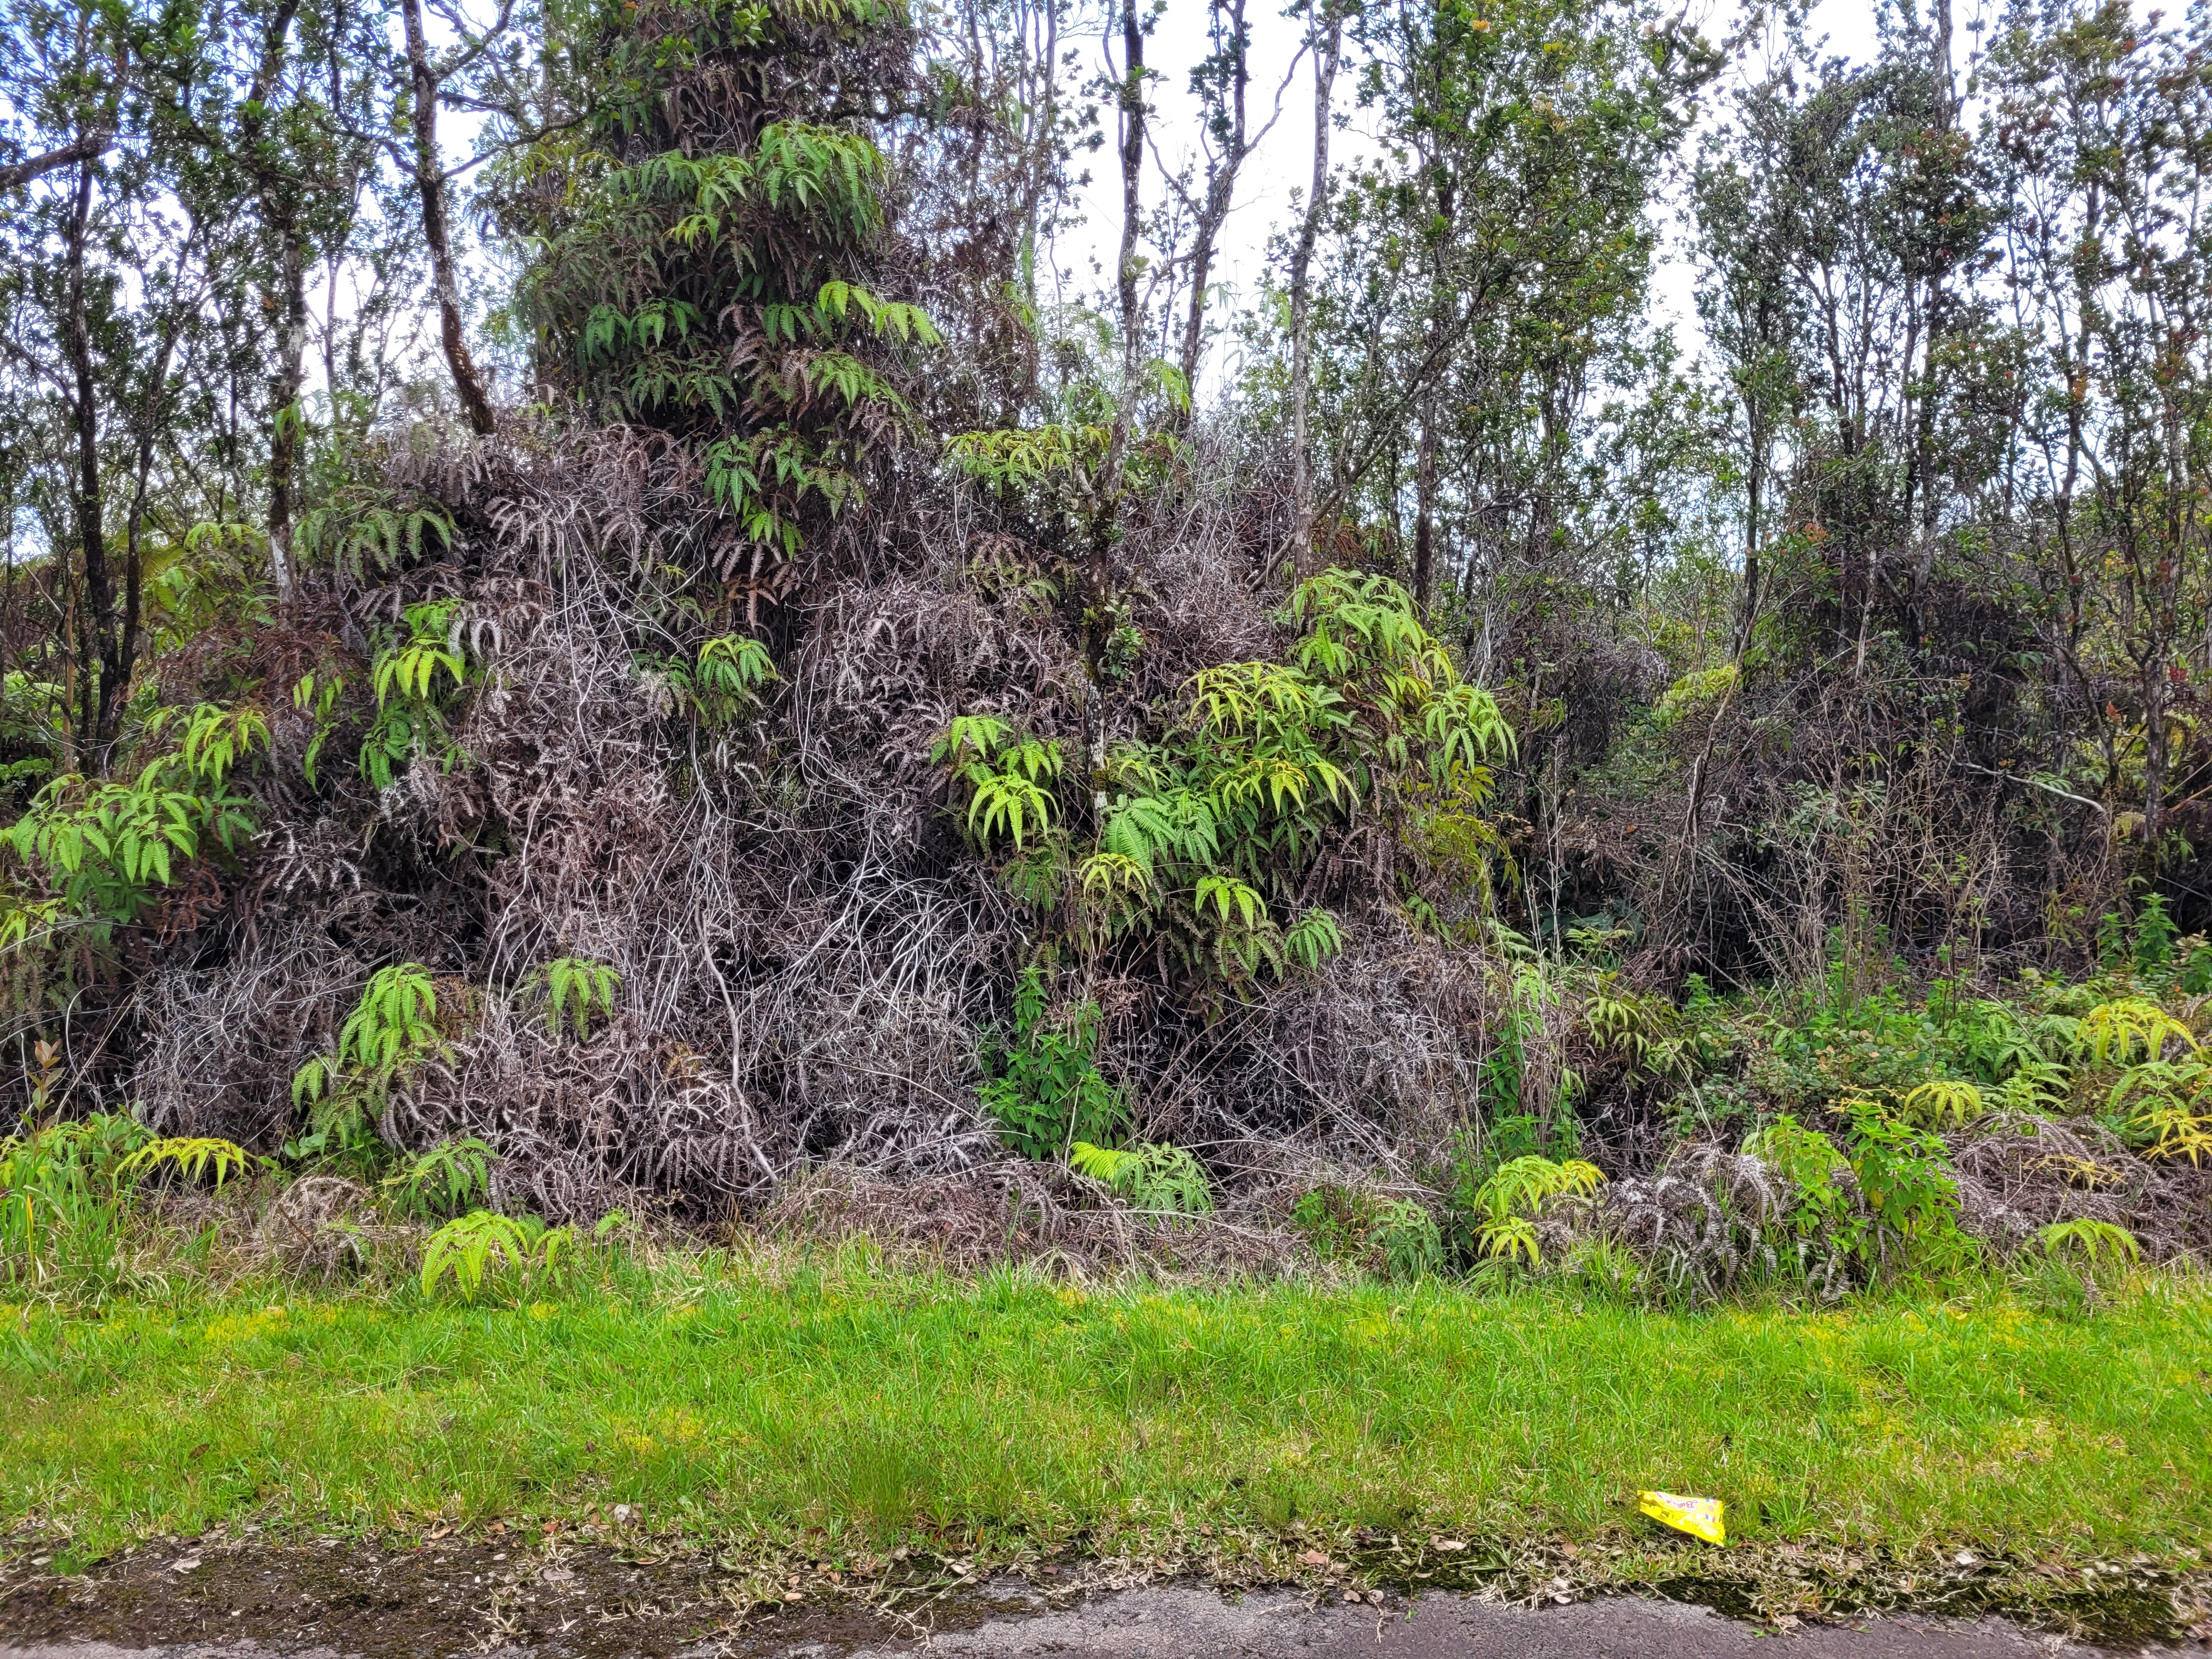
point(446, 1597)
point(639, 1599)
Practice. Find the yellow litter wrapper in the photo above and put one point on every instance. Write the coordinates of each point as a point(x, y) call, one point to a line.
point(1700, 1517)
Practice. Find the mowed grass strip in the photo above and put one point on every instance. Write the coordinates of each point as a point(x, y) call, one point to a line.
point(858, 1402)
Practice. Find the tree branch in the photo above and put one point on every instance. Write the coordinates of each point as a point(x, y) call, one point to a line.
point(87, 147)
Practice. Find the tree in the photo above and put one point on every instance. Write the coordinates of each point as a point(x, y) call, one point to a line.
point(1325, 41)
point(714, 236)
point(1503, 231)
point(106, 287)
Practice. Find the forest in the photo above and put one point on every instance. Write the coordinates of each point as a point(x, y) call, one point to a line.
point(596, 632)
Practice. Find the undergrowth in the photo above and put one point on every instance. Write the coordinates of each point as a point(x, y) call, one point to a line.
point(1827, 1140)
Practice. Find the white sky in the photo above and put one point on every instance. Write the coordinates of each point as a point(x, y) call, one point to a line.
point(1284, 162)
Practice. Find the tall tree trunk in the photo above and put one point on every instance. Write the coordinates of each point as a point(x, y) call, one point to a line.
point(146, 422)
point(93, 693)
point(284, 387)
point(1133, 173)
point(1106, 497)
point(430, 185)
point(1938, 310)
point(1425, 503)
point(1037, 166)
point(281, 194)
point(1220, 186)
point(1754, 512)
point(1443, 328)
point(1327, 50)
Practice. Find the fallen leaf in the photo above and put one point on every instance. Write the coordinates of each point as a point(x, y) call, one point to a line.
point(1314, 1558)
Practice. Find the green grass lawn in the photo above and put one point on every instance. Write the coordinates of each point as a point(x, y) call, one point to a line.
point(843, 1401)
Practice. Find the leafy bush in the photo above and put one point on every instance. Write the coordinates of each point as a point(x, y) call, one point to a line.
point(484, 1247)
point(410, 719)
point(1904, 1180)
point(2128, 1028)
point(574, 987)
point(1009, 780)
point(1164, 1179)
point(1944, 1101)
point(1204, 835)
point(695, 252)
point(1045, 1090)
point(1509, 1200)
point(721, 682)
point(66, 1191)
point(2092, 1242)
point(103, 846)
point(391, 1030)
point(444, 1180)
point(1395, 1237)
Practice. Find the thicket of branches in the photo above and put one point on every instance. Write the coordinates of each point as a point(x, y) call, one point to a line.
point(780, 681)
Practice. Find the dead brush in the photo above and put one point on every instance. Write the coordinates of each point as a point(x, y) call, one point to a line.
point(1709, 1221)
point(801, 952)
point(2037, 1172)
point(1012, 1210)
point(326, 1227)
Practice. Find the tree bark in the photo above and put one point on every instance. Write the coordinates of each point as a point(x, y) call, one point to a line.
point(279, 192)
point(94, 693)
point(1327, 50)
point(1132, 172)
point(284, 387)
point(1444, 326)
point(89, 147)
point(1220, 191)
point(430, 185)
point(1105, 512)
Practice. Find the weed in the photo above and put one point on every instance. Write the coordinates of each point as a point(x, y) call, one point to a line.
point(2092, 1242)
point(1046, 1092)
point(2126, 1028)
point(391, 1030)
point(444, 1180)
point(1165, 1180)
point(1394, 1237)
point(66, 1192)
point(1945, 1101)
point(485, 1246)
point(574, 987)
point(1903, 1178)
point(1509, 1200)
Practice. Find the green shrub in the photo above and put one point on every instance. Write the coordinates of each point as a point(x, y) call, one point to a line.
point(391, 1031)
point(1904, 1181)
point(574, 987)
point(1045, 1091)
point(484, 1247)
point(1204, 834)
point(1392, 1237)
point(442, 1180)
point(67, 1192)
point(1165, 1180)
point(1509, 1202)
